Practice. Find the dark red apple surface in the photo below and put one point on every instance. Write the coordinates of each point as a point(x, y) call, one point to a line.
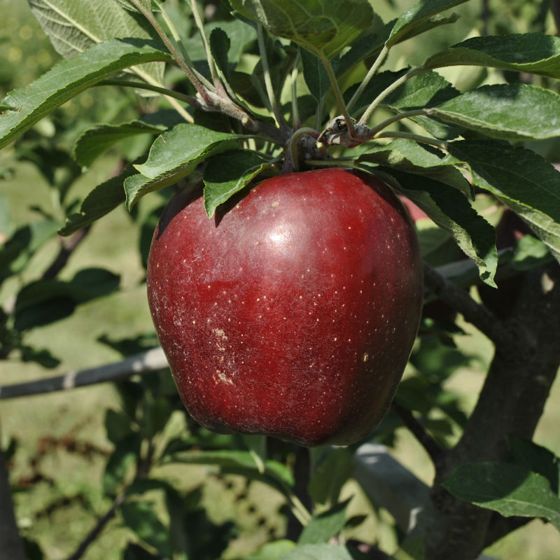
point(292, 314)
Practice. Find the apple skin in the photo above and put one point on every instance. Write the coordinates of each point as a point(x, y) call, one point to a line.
point(294, 312)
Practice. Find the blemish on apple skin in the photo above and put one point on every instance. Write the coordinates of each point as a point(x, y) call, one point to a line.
point(222, 378)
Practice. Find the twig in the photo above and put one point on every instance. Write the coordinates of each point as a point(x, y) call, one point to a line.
point(67, 248)
point(152, 360)
point(472, 311)
point(432, 448)
point(102, 522)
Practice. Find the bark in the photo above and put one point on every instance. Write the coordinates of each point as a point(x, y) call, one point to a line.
point(11, 545)
point(511, 403)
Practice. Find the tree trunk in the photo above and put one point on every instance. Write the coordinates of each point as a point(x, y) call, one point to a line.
point(511, 403)
point(11, 545)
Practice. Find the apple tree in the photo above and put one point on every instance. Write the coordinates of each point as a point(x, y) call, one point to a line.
point(241, 120)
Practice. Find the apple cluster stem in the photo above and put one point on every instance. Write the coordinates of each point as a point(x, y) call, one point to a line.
point(372, 72)
point(342, 109)
point(386, 92)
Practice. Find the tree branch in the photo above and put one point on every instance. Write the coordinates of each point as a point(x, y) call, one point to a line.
point(102, 522)
point(432, 448)
point(152, 360)
point(11, 545)
point(472, 311)
point(511, 403)
point(67, 247)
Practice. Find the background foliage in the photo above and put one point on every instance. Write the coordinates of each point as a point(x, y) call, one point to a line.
point(73, 455)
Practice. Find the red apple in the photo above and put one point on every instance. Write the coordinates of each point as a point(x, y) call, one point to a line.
point(294, 313)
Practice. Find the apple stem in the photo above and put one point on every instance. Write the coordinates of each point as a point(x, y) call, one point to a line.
point(293, 148)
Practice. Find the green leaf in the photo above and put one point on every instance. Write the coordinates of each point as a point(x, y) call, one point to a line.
point(17, 251)
point(331, 468)
point(141, 518)
point(117, 426)
point(416, 18)
point(315, 75)
point(537, 459)
point(74, 26)
point(323, 27)
point(324, 526)
point(451, 210)
point(69, 78)
point(273, 551)
point(95, 141)
point(519, 178)
point(374, 39)
point(229, 173)
point(174, 155)
point(407, 155)
point(534, 53)
point(220, 45)
point(529, 253)
point(45, 301)
point(239, 33)
point(234, 459)
point(511, 490)
point(505, 111)
point(120, 465)
point(98, 203)
point(319, 552)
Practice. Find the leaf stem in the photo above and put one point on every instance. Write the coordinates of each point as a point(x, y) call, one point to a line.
point(209, 57)
point(395, 118)
point(273, 101)
point(416, 137)
point(298, 509)
point(149, 87)
point(177, 38)
point(385, 93)
point(372, 71)
point(177, 56)
point(336, 90)
point(295, 106)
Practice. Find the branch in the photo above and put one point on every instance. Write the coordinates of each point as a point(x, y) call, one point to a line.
point(11, 545)
point(98, 528)
point(67, 248)
point(152, 360)
point(432, 448)
point(472, 311)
